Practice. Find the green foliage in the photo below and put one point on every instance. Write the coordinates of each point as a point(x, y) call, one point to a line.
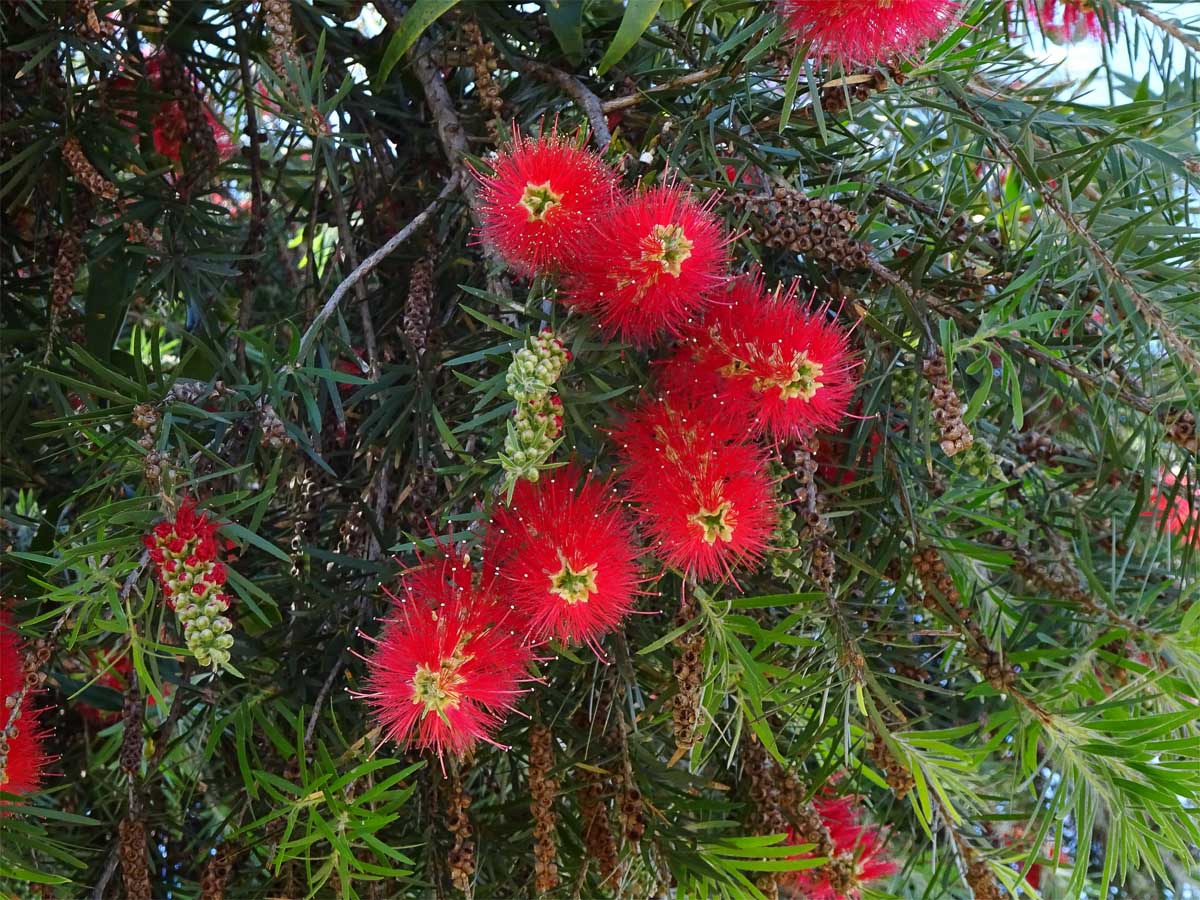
point(1038, 230)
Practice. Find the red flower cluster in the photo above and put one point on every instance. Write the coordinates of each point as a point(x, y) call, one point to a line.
point(652, 267)
point(1174, 504)
point(22, 754)
point(762, 357)
point(853, 842)
point(564, 552)
point(866, 31)
point(703, 492)
point(169, 127)
point(447, 667)
point(542, 200)
point(651, 257)
point(186, 554)
point(1066, 20)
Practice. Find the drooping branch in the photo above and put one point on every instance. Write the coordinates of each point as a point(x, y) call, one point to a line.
point(368, 264)
point(579, 92)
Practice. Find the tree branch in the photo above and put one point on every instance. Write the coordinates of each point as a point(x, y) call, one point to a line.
point(368, 264)
point(673, 85)
point(579, 92)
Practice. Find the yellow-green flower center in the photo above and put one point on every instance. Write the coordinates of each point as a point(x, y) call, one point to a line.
point(802, 382)
point(670, 248)
point(717, 524)
point(574, 585)
point(539, 200)
point(437, 689)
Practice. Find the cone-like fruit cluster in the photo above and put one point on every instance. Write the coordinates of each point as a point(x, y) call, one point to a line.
point(187, 556)
point(599, 843)
point(868, 30)
point(277, 17)
point(980, 879)
point(1181, 430)
point(947, 408)
point(631, 810)
point(418, 307)
point(461, 858)
point(132, 744)
point(688, 669)
point(820, 229)
point(216, 874)
point(766, 808)
point(66, 265)
point(536, 424)
point(131, 850)
point(22, 753)
point(703, 494)
point(482, 55)
point(83, 170)
point(542, 790)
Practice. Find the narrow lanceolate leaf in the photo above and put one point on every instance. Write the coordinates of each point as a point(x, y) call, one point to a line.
point(637, 18)
point(419, 17)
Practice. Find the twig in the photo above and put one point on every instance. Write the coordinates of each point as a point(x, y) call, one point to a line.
point(583, 96)
point(364, 308)
point(254, 233)
point(368, 264)
point(1169, 27)
point(1145, 306)
point(673, 85)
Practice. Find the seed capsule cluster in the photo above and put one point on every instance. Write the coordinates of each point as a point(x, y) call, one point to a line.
point(762, 785)
point(216, 874)
point(482, 55)
point(598, 840)
point(461, 858)
point(419, 305)
point(542, 790)
point(132, 744)
point(820, 229)
point(688, 668)
point(1181, 430)
point(947, 408)
point(131, 850)
point(277, 17)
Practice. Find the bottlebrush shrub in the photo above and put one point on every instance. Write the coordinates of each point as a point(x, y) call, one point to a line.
point(704, 497)
point(186, 555)
point(649, 266)
point(564, 551)
point(785, 370)
point(858, 852)
point(541, 201)
point(22, 737)
point(867, 31)
point(447, 667)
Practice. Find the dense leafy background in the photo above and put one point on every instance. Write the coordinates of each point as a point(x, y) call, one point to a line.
point(1041, 232)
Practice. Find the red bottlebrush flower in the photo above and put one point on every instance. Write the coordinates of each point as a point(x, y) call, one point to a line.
point(541, 202)
point(446, 669)
point(1066, 21)
point(853, 841)
point(169, 124)
point(866, 31)
point(21, 767)
point(1174, 504)
point(565, 554)
point(788, 370)
point(704, 497)
point(651, 267)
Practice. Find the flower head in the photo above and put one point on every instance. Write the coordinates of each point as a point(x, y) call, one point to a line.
point(446, 669)
point(564, 552)
point(652, 265)
point(22, 754)
point(704, 497)
point(788, 370)
point(857, 852)
point(866, 31)
point(186, 553)
point(541, 201)
point(1066, 21)
point(1174, 504)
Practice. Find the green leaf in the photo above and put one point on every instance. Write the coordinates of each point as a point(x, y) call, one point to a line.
point(638, 16)
point(421, 15)
point(566, 21)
